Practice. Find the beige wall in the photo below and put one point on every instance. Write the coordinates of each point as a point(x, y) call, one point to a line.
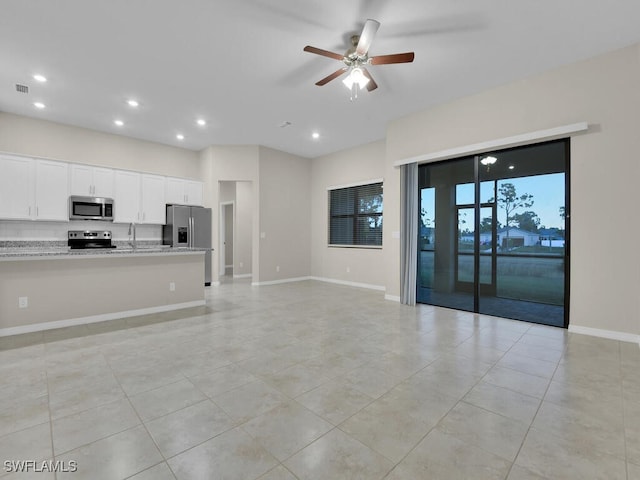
point(285, 212)
point(40, 138)
point(243, 238)
point(227, 192)
point(71, 288)
point(355, 165)
point(230, 164)
point(274, 186)
point(605, 92)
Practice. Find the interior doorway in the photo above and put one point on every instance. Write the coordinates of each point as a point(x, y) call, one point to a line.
point(227, 211)
point(236, 236)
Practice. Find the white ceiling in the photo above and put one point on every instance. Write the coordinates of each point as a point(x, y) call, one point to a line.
point(240, 65)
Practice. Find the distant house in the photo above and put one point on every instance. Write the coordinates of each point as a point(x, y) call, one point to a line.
point(427, 237)
point(517, 238)
point(551, 237)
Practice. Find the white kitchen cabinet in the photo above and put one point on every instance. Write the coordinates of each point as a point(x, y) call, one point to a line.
point(152, 199)
point(33, 189)
point(126, 197)
point(193, 192)
point(92, 181)
point(183, 192)
point(51, 190)
point(16, 187)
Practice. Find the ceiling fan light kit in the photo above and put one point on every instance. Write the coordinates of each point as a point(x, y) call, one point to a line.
point(356, 59)
point(355, 81)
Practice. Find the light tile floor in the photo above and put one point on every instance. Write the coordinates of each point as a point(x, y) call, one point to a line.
point(316, 381)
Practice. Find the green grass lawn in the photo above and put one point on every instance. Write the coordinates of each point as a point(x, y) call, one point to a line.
point(530, 279)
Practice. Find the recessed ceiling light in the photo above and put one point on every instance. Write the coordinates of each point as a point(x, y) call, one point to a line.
point(202, 122)
point(118, 122)
point(315, 135)
point(40, 78)
point(132, 103)
point(180, 136)
point(39, 105)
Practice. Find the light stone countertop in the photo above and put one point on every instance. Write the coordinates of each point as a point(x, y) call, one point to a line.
point(59, 252)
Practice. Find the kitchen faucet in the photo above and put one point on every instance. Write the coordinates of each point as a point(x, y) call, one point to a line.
point(132, 227)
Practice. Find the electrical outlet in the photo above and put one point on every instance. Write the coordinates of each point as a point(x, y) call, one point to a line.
point(348, 269)
point(277, 268)
point(172, 286)
point(23, 302)
point(241, 264)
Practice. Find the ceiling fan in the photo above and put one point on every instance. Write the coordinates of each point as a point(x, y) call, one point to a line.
point(356, 59)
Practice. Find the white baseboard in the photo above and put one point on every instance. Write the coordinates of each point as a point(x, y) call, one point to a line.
point(37, 327)
point(350, 284)
point(277, 282)
point(215, 284)
point(243, 275)
point(322, 279)
point(610, 334)
point(393, 298)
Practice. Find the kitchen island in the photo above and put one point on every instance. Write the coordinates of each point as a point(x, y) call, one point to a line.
point(46, 288)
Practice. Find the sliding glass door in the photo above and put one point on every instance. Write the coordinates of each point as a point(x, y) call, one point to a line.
point(493, 235)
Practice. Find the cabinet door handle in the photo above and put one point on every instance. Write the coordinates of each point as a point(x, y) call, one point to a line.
point(144, 216)
point(29, 210)
point(37, 211)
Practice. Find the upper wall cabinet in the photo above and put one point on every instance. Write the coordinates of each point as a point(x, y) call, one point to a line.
point(16, 187)
point(126, 197)
point(52, 190)
point(92, 181)
point(139, 198)
point(184, 192)
point(152, 199)
point(33, 189)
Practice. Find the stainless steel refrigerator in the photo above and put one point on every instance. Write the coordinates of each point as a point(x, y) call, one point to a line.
point(189, 227)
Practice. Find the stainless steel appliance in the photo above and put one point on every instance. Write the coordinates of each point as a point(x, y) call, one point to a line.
point(79, 239)
point(91, 208)
point(190, 227)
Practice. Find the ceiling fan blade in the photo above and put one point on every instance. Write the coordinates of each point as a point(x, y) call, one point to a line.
point(324, 53)
point(371, 85)
point(394, 58)
point(366, 37)
point(333, 76)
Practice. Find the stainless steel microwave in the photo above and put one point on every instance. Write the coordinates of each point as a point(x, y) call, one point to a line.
point(91, 208)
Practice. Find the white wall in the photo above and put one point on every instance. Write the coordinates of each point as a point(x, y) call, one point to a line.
point(355, 165)
point(605, 92)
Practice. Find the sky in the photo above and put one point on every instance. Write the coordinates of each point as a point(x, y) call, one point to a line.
point(547, 190)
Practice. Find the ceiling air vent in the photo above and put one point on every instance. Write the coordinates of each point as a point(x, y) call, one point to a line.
point(22, 88)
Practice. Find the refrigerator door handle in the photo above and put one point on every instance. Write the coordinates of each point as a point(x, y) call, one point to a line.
point(191, 232)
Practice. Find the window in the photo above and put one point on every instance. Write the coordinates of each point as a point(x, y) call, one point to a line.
point(355, 215)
